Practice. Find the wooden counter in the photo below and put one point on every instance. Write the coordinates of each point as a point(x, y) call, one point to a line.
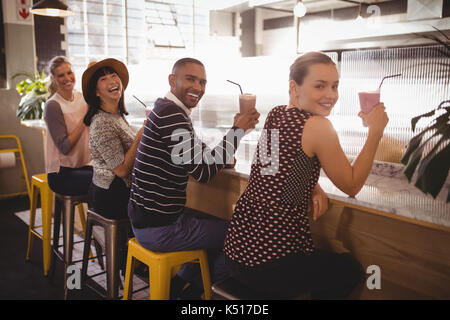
point(413, 255)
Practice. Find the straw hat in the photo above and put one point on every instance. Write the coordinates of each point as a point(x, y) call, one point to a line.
point(117, 65)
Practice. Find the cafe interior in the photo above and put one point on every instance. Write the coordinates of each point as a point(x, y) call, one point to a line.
point(397, 226)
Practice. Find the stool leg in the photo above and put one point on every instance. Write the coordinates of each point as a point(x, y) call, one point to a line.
point(86, 250)
point(68, 220)
point(159, 282)
point(46, 205)
point(82, 218)
point(33, 205)
point(99, 252)
point(81, 214)
point(56, 229)
point(129, 273)
point(112, 261)
point(206, 278)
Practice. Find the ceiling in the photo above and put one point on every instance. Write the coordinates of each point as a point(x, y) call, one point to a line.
point(311, 5)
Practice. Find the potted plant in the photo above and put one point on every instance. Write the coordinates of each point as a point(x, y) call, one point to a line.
point(428, 152)
point(33, 91)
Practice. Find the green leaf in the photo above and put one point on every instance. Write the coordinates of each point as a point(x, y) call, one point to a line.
point(412, 146)
point(416, 119)
point(413, 162)
point(22, 86)
point(33, 91)
point(414, 153)
point(433, 170)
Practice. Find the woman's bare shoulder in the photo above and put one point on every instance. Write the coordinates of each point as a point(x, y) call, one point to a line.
point(319, 125)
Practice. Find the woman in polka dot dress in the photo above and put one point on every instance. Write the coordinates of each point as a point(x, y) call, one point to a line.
point(268, 246)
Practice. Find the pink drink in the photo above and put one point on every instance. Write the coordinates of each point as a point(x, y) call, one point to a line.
point(368, 99)
point(247, 101)
point(147, 112)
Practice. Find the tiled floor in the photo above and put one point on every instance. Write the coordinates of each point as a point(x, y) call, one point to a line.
point(93, 266)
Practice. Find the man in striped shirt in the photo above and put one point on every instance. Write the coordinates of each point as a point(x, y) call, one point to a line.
point(169, 151)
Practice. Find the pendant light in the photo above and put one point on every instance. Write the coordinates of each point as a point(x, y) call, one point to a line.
point(359, 18)
point(52, 8)
point(299, 9)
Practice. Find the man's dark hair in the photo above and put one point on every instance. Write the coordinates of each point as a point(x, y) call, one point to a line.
point(184, 61)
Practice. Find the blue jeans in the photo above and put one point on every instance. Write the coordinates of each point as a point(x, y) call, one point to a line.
point(190, 232)
point(70, 181)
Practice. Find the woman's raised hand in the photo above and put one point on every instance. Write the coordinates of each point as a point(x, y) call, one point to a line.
point(376, 119)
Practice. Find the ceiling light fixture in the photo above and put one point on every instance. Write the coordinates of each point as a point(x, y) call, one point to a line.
point(299, 9)
point(52, 8)
point(359, 17)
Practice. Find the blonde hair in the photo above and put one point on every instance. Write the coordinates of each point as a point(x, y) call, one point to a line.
point(299, 69)
point(53, 64)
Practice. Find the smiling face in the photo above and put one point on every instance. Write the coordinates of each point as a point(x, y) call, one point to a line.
point(64, 78)
point(319, 91)
point(109, 87)
point(188, 83)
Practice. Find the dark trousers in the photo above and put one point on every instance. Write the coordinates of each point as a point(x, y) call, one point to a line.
point(70, 181)
point(110, 203)
point(325, 275)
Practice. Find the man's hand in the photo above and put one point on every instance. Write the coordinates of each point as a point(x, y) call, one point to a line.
point(247, 120)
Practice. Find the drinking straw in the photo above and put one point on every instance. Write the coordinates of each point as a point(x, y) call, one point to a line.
point(237, 85)
point(395, 75)
point(140, 101)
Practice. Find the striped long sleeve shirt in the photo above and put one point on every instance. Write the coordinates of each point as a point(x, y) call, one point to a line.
point(169, 151)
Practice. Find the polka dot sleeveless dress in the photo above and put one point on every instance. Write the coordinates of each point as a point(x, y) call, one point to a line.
point(270, 219)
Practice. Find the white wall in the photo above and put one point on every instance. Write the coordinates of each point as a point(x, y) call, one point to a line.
point(20, 56)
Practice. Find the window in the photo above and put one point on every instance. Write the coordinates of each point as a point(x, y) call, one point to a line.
point(146, 35)
point(97, 30)
point(133, 31)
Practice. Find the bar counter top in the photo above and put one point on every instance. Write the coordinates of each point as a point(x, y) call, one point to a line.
point(386, 190)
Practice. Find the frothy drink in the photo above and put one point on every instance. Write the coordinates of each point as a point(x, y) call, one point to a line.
point(368, 99)
point(147, 112)
point(247, 101)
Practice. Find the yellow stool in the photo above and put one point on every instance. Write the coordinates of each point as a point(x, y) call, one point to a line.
point(39, 183)
point(161, 265)
point(22, 161)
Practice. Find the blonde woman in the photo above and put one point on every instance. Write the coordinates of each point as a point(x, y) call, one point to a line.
point(269, 246)
point(67, 156)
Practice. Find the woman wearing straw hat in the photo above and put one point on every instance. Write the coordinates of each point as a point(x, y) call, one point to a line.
point(112, 143)
point(67, 158)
